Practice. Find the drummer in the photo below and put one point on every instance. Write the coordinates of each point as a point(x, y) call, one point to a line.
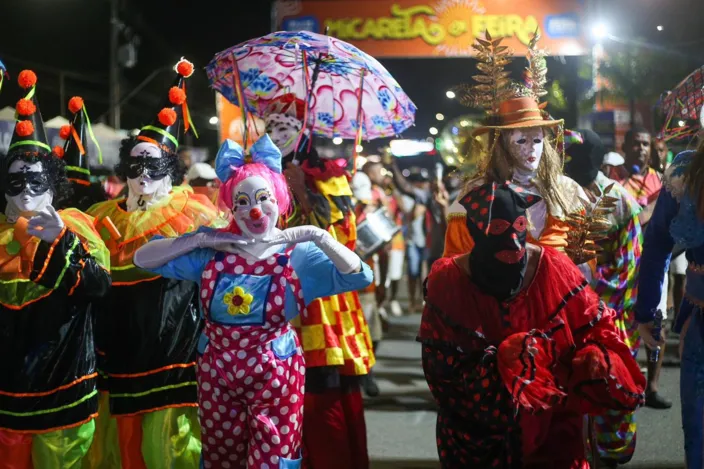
point(372, 297)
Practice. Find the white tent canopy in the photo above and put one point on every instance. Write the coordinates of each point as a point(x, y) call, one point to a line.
point(56, 123)
point(7, 113)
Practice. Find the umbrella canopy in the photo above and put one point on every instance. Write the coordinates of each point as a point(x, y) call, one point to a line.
point(329, 74)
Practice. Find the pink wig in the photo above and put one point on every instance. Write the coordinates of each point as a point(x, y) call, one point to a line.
point(276, 181)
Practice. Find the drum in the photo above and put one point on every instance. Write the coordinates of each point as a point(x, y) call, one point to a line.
point(374, 232)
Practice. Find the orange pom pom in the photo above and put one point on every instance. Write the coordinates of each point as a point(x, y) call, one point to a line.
point(25, 107)
point(75, 104)
point(167, 117)
point(59, 151)
point(27, 79)
point(177, 96)
point(65, 131)
point(184, 68)
point(24, 128)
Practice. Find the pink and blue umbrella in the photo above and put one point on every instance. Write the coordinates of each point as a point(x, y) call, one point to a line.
point(341, 84)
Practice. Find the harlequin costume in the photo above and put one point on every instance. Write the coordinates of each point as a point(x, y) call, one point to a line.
point(148, 327)
point(615, 280)
point(251, 371)
point(334, 332)
point(48, 395)
point(676, 221)
point(512, 366)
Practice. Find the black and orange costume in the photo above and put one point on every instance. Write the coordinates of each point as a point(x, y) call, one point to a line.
point(48, 394)
point(149, 326)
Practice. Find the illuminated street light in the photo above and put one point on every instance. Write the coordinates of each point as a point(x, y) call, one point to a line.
point(464, 123)
point(359, 148)
point(337, 140)
point(660, 28)
point(450, 94)
point(600, 31)
point(439, 116)
point(433, 131)
point(214, 120)
point(681, 123)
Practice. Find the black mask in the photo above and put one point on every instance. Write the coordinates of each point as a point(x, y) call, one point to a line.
point(154, 168)
point(33, 182)
point(584, 160)
point(496, 219)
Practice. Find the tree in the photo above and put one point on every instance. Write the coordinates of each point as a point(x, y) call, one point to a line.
point(635, 73)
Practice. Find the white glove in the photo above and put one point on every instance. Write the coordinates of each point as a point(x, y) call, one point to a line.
point(344, 260)
point(46, 225)
point(158, 252)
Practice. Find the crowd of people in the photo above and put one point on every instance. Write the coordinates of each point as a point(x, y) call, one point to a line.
point(219, 315)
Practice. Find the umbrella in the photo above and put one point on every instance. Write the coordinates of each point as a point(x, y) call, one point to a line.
point(321, 70)
point(684, 102)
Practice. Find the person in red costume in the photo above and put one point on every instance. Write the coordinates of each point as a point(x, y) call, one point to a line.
point(516, 347)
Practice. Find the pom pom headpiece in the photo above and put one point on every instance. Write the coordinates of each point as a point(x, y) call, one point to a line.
point(75, 152)
point(165, 130)
point(29, 134)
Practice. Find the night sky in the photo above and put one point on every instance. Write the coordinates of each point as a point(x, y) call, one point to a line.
point(73, 36)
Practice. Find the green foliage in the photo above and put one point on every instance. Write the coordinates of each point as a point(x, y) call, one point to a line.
point(635, 73)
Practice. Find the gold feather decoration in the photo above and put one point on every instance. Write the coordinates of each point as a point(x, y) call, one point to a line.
point(590, 227)
point(492, 84)
point(537, 70)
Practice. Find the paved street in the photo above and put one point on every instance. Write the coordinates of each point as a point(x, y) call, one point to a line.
point(401, 422)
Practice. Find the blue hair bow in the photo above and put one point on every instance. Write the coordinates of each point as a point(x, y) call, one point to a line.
point(231, 156)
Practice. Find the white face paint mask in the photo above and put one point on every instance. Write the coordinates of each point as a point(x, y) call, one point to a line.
point(144, 190)
point(33, 193)
point(254, 208)
point(526, 147)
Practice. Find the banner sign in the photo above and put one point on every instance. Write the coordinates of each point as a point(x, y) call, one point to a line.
point(440, 28)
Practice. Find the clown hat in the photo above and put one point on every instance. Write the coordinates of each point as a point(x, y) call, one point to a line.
point(165, 130)
point(74, 152)
point(284, 121)
point(29, 134)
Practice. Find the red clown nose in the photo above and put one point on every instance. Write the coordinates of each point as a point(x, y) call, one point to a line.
point(255, 214)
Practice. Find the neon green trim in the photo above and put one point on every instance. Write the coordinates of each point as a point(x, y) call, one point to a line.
point(151, 391)
point(50, 411)
point(30, 95)
point(92, 135)
point(124, 267)
point(30, 142)
point(68, 262)
point(162, 132)
point(78, 170)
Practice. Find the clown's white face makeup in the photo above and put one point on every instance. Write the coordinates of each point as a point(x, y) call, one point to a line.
point(525, 147)
point(254, 208)
point(146, 180)
point(28, 190)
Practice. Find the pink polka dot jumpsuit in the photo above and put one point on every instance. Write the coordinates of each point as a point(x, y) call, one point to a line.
point(251, 372)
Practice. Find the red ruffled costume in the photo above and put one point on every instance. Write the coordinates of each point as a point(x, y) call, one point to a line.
point(513, 380)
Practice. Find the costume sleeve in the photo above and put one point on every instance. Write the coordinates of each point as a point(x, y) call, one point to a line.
point(458, 241)
point(186, 267)
point(319, 277)
point(616, 280)
point(67, 265)
point(655, 261)
point(604, 375)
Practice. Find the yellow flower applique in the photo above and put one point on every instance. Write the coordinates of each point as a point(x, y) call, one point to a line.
point(238, 301)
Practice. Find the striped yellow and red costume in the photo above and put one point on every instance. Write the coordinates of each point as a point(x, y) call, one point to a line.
point(335, 337)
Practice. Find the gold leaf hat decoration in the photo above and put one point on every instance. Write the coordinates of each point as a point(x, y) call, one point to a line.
point(589, 227)
point(508, 104)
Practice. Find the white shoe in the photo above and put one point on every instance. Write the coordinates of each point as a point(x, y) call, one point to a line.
point(396, 308)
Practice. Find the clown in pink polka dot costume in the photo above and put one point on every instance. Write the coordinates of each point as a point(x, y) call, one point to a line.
point(253, 279)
